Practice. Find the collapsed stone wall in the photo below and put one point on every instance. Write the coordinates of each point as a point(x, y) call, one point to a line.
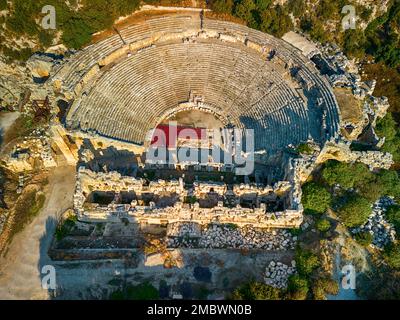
point(339, 150)
point(28, 154)
point(89, 181)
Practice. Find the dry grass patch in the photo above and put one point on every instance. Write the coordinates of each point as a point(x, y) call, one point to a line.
point(350, 107)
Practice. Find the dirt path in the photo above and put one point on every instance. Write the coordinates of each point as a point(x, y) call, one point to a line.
point(20, 269)
point(7, 119)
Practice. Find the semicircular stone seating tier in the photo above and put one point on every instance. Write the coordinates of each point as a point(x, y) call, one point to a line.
point(130, 97)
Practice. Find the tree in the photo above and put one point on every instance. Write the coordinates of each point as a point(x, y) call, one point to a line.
point(390, 182)
point(3, 5)
point(371, 190)
point(364, 238)
point(22, 19)
point(393, 147)
point(344, 174)
point(222, 6)
point(76, 33)
point(244, 10)
point(382, 35)
point(256, 291)
point(386, 127)
point(123, 7)
point(354, 43)
point(391, 255)
point(262, 4)
point(297, 7)
point(355, 211)
point(393, 216)
point(315, 28)
point(327, 9)
point(275, 21)
point(306, 262)
point(315, 199)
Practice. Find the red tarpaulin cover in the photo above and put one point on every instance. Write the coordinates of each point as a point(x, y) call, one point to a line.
point(167, 136)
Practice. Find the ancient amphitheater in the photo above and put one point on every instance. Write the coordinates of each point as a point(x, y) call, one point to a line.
point(119, 89)
point(125, 85)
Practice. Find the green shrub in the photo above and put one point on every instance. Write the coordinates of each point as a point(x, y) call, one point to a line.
point(323, 225)
point(3, 5)
point(262, 4)
point(222, 6)
point(22, 19)
point(143, 291)
point(315, 199)
point(393, 147)
point(65, 227)
point(297, 7)
point(45, 38)
point(256, 291)
point(386, 127)
point(315, 28)
point(355, 211)
point(297, 287)
point(390, 182)
point(306, 262)
point(295, 231)
point(304, 148)
point(123, 7)
point(364, 238)
point(371, 190)
point(202, 292)
point(382, 35)
point(354, 43)
point(393, 216)
point(374, 186)
point(21, 55)
point(323, 286)
point(26, 209)
point(231, 226)
point(392, 255)
point(327, 9)
point(365, 12)
point(191, 199)
point(76, 33)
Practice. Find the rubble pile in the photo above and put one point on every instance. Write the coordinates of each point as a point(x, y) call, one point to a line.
point(184, 229)
point(231, 236)
point(382, 231)
point(277, 274)
point(24, 154)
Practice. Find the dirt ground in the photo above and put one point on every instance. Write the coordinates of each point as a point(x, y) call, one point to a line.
point(197, 119)
point(6, 121)
point(228, 268)
point(350, 108)
point(20, 268)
